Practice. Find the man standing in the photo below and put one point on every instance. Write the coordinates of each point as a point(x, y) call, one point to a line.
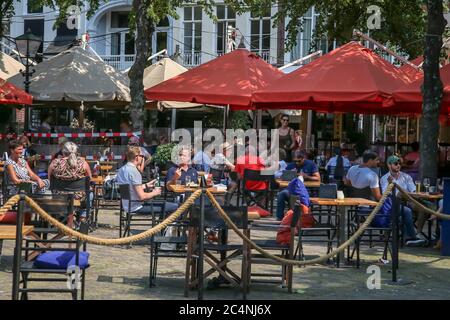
point(406, 182)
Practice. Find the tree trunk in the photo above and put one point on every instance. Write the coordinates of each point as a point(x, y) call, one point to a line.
point(144, 30)
point(5, 12)
point(280, 36)
point(432, 91)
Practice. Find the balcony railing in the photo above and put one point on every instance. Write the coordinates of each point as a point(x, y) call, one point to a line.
point(192, 59)
point(119, 62)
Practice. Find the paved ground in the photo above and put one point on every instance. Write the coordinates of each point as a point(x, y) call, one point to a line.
point(122, 273)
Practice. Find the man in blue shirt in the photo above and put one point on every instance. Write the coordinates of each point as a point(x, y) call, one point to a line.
point(183, 169)
point(307, 168)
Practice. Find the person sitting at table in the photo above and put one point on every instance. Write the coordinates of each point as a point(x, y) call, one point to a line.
point(27, 150)
point(61, 142)
point(251, 161)
point(307, 168)
point(71, 167)
point(129, 174)
point(18, 171)
point(339, 162)
point(406, 182)
point(296, 185)
point(221, 163)
point(183, 169)
point(282, 164)
point(362, 176)
point(412, 161)
point(201, 160)
point(134, 141)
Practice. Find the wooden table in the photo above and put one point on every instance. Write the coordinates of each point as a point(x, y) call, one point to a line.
point(183, 189)
point(341, 206)
point(97, 180)
point(8, 232)
point(308, 184)
point(426, 196)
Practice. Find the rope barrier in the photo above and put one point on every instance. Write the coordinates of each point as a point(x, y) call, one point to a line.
point(102, 241)
point(9, 204)
point(318, 260)
point(421, 206)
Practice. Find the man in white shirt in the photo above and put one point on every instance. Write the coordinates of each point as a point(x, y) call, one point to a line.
point(362, 176)
point(405, 181)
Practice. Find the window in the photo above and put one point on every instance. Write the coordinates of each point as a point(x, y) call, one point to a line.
point(33, 8)
point(260, 33)
point(119, 19)
point(192, 29)
point(37, 28)
point(226, 17)
point(63, 31)
point(304, 44)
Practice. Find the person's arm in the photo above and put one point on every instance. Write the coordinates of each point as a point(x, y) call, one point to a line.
point(173, 176)
point(34, 176)
point(12, 175)
point(376, 193)
point(375, 187)
point(142, 195)
point(87, 168)
point(312, 177)
point(50, 169)
point(291, 131)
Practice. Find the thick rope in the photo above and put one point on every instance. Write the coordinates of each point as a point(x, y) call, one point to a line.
point(9, 204)
point(110, 242)
point(421, 206)
point(318, 260)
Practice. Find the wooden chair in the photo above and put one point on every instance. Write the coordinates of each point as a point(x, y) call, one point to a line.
point(282, 250)
point(53, 258)
point(227, 252)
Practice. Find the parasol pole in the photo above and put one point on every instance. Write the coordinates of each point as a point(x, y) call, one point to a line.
point(81, 115)
point(384, 48)
point(225, 117)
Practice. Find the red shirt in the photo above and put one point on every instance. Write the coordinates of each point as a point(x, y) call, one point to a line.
point(252, 163)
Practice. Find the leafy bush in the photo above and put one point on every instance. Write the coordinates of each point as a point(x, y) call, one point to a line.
point(163, 154)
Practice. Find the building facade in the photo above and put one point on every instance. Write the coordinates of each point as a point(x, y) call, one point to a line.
point(194, 35)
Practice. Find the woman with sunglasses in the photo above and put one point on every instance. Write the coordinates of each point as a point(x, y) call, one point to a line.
point(286, 137)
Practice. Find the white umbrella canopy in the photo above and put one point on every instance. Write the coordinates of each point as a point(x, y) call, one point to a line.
point(77, 75)
point(9, 66)
point(161, 71)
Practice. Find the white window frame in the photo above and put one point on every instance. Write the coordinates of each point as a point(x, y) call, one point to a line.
point(260, 50)
point(194, 23)
point(110, 31)
point(227, 22)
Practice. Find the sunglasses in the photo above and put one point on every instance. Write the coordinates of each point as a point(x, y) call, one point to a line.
point(286, 120)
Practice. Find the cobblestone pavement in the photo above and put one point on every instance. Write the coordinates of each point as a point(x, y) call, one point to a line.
point(122, 273)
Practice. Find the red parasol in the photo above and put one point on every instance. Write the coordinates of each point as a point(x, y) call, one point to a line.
point(10, 94)
point(351, 78)
point(227, 80)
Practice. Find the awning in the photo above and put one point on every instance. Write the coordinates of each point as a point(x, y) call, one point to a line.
point(350, 78)
point(10, 94)
point(227, 80)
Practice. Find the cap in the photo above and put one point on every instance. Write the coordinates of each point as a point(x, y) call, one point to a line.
point(392, 159)
point(299, 155)
point(134, 141)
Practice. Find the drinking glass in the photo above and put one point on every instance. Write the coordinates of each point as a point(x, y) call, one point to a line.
point(426, 184)
point(187, 180)
point(417, 186)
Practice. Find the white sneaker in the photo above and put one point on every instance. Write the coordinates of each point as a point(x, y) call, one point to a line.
point(415, 242)
point(420, 235)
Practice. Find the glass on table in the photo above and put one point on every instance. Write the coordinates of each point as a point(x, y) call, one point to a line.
point(178, 182)
point(187, 181)
point(417, 182)
point(426, 184)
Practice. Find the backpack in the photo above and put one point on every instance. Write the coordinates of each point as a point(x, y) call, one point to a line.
point(111, 189)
